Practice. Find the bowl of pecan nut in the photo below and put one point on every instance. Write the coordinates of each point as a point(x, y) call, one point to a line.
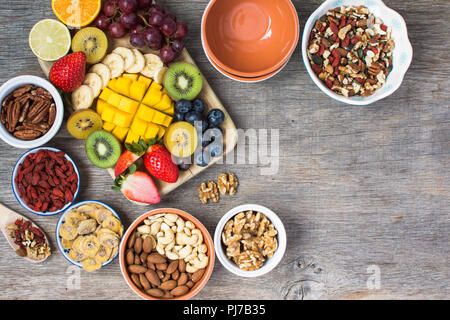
point(31, 111)
point(250, 240)
point(357, 52)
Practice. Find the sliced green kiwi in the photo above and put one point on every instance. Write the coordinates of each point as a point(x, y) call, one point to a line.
point(93, 42)
point(183, 81)
point(83, 122)
point(103, 149)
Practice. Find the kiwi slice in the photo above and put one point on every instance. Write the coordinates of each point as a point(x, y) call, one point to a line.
point(103, 149)
point(83, 122)
point(93, 42)
point(183, 81)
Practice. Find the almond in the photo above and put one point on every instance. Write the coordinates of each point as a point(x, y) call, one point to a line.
point(135, 279)
point(190, 284)
point(168, 285)
point(144, 282)
point(151, 265)
point(175, 275)
point(182, 279)
point(147, 245)
point(172, 267)
point(179, 291)
point(161, 266)
point(157, 293)
point(181, 265)
point(138, 245)
point(156, 258)
point(130, 257)
point(134, 268)
point(197, 275)
point(152, 277)
point(131, 240)
point(143, 257)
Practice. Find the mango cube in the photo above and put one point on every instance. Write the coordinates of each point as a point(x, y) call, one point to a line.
point(105, 94)
point(145, 113)
point(120, 133)
point(131, 76)
point(159, 118)
point(128, 105)
point(122, 119)
point(132, 137)
point(152, 97)
point(101, 106)
point(152, 131)
point(108, 126)
point(114, 99)
point(123, 86)
point(146, 81)
point(137, 90)
point(161, 132)
point(139, 126)
point(108, 113)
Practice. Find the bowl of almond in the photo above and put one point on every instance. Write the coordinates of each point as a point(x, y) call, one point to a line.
point(31, 111)
point(250, 240)
point(166, 254)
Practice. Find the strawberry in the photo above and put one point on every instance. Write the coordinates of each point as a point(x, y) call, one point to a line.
point(158, 162)
point(68, 72)
point(131, 155)
point(137, 186)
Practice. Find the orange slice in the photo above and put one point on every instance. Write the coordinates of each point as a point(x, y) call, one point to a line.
point(76, 13)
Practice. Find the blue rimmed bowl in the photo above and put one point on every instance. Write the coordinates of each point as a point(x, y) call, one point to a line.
point(402, 54)
point(16, 191)
point(62, 219)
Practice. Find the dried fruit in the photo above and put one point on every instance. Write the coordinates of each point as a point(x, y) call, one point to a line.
point(30, 239)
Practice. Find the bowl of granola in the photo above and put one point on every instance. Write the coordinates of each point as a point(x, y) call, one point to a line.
point(356, 52)
point(250, 240)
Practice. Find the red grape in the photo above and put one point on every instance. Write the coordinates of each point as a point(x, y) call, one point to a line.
point(157, 8)
point(155, 19)
point(167, 54)
point(117, 30)
point(102, 22)
point(170, 16)
point(144, 4)
point(127, 5)
point(181, 30)
point(138, 28)
point(152, 36)
point(168, 27)
point(109, 9)
point(137, 40)
point(129, 19)
point(114, 1)
point(178, 45)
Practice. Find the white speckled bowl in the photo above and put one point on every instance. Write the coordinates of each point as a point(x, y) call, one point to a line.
point(402, 55)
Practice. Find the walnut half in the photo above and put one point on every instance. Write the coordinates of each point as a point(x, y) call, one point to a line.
point(227, 183)
point(208, 191)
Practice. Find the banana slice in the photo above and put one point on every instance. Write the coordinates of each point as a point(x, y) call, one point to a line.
point(127, 55)
point(139, 64)
point(153, 64)
point(82, 97)
point(159, 75)
point(94, 81)
point(103, 71)
point(115, 63)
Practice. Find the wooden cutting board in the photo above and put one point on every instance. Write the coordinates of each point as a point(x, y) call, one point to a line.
point(211, 102)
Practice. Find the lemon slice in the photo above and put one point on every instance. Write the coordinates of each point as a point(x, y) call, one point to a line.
point(49, 40)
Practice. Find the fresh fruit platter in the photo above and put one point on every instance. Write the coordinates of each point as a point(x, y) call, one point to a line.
point(136, 102)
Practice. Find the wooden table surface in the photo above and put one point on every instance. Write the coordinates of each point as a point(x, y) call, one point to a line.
point(362, 191)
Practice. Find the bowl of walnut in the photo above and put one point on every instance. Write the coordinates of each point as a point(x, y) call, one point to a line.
point(250, 240)
point(356, 51)
point(31, 111)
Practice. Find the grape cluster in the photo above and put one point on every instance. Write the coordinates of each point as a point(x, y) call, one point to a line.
point(147, 23)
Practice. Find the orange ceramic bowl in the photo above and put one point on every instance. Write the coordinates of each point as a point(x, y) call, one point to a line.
point(187, 217)
point(250, 38)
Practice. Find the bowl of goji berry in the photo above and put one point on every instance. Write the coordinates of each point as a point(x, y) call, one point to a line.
point(45, 181)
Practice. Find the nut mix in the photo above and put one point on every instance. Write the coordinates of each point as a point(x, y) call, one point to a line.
point(28, 112)
point(351, 51)
point(46, 180)
point(250, 238)
point(30, 239)
point(166, 256)
point(91, 234)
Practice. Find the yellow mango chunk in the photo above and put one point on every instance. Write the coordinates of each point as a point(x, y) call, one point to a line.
point(123, 86)
point(170, 110)
point(145, 113)
point(108, 113)
point(131, 76)
point(161, 132)
point(164, 103)
point(120, 133)
point(152, 97)
point(114, 99)
point(156, 86)
point(112, 84)
point(139, 126)
point(137, 90)
point(132, 137)
point(122, 119)
point(128, 105)
point(151, 132)
point(105, 94)
point(101, 106)
point(108, 126)
point(167, 121)
point(146, 81)
point(160, 118)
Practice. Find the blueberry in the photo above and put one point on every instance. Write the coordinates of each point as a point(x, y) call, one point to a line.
point(183, 106)
point(202, 158)
point(216, 150)
point(198, 105)
point(216, 117)
point(191, 117)
point(178, 116)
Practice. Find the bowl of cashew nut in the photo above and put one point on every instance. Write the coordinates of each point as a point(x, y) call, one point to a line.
point(166, 254)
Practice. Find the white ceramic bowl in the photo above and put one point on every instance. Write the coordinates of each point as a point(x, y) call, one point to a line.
point(62, 219)
point(271, 262)
point(16, 192)
point(402, 55)
point(14, 83)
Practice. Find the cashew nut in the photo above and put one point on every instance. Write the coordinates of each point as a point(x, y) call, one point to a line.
point(160, 249)
point(185, 251)
point(180, 225)
point(164, 226)
point(155, 227)
point(144, 229)
point(202, 248)
point(172, 255)
point(172, 217)
point(199, 235)
point(167, 238)
point(190, 225)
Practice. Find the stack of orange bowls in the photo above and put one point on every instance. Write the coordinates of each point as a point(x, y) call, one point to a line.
point(249, 40)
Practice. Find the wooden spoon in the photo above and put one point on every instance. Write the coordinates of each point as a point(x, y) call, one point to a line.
point(9, 217)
